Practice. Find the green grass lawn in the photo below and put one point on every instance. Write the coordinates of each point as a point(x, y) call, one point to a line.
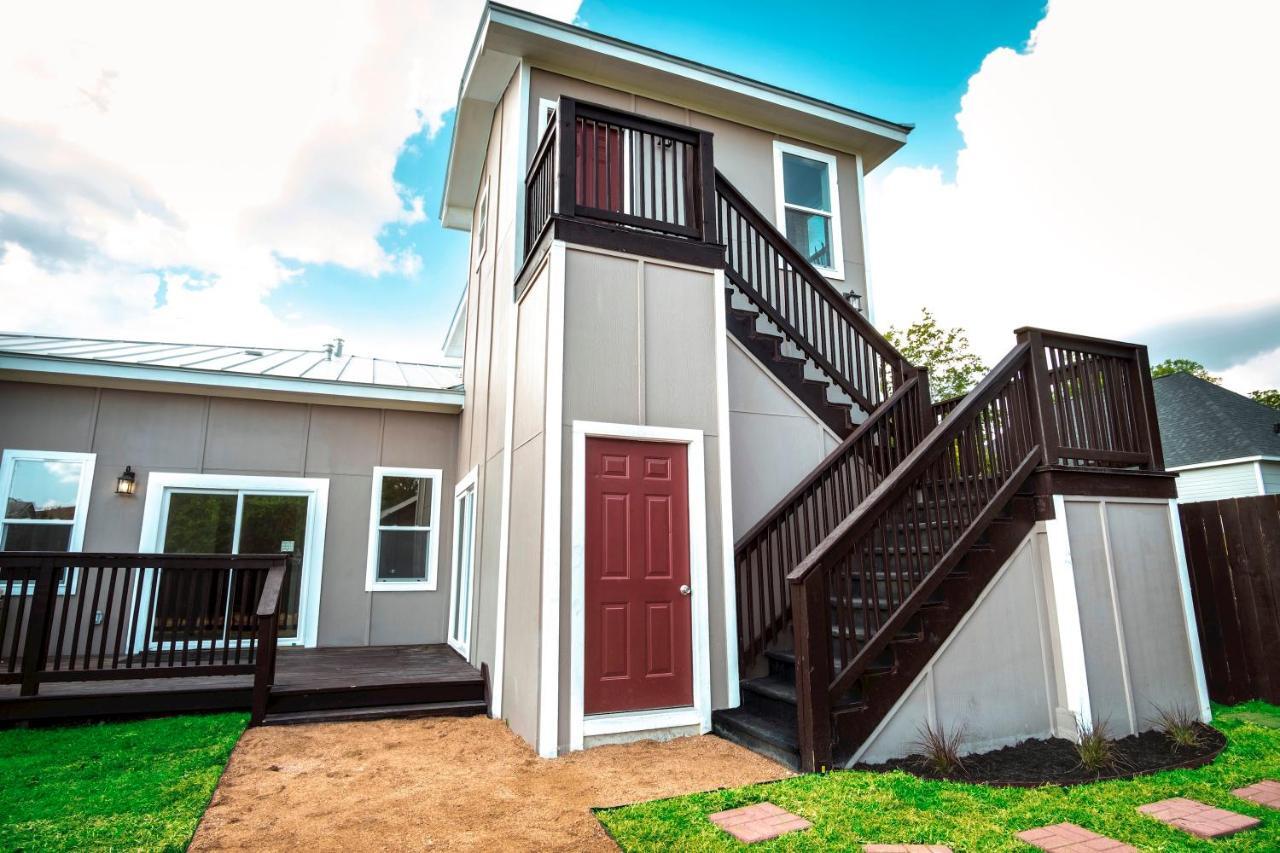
point(138, 785)
point(849, 808)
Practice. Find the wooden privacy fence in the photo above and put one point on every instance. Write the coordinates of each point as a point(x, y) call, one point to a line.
point(1233, 557)
point(94, 617)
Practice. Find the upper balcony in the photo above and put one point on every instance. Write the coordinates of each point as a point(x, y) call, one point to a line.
point(617, 180)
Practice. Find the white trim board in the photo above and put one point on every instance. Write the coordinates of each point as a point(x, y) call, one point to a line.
point(728, 567)
point(159, 482)
point(553, 440)
point(700, 713)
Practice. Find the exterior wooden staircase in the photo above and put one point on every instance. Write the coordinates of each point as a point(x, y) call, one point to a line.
point(855, 579)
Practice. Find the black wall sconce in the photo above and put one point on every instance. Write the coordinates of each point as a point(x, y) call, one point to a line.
point(127, 482)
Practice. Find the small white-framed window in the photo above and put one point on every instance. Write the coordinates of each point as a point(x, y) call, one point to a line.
point(808, 205)
point(546, 112)
point(45, 496)
point(404, 518)
point(462, 578)
point(482, 221)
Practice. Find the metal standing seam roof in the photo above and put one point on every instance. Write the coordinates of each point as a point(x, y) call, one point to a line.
point(1203, 422)
point(264, 364)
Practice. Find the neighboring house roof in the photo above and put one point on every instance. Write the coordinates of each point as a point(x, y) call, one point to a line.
point(258, 372)
point(506, 36)
point(1202, 422)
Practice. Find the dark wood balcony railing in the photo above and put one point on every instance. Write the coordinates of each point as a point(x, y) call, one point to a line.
point(1055, 400)
point(620, 169)
point(90, 617)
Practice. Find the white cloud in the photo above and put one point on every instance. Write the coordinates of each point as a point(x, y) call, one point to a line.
point(216, 139)
point(1118, 175)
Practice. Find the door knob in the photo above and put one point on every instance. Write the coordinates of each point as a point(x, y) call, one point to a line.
point(685, 589)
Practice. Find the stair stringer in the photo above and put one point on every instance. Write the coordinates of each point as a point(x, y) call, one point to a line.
point(987, 666)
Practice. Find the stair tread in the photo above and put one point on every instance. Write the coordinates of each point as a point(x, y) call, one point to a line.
point(767, 729)
point(419, 709)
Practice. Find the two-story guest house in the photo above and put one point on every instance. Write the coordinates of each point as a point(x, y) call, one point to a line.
point(679, 484)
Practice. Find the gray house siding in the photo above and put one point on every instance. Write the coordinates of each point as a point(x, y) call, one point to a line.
point(1218, 482)
point(158, 431)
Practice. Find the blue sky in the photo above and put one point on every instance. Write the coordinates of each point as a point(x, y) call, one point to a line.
point(906, 62)
point(163, 193)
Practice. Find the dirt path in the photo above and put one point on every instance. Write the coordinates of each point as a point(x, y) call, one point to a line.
point(446, 784)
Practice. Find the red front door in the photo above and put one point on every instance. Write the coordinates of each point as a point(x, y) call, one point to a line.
point(638, 620)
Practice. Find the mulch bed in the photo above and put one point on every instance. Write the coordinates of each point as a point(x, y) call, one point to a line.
point(1054, 761)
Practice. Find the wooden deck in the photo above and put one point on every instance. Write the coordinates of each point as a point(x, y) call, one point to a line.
point(310, 685)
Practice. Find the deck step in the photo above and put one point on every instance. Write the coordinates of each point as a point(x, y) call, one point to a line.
point(465, 708)
point(772, 738)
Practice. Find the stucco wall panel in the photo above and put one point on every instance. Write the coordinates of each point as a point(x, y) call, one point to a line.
point(65, 422)
point(601, 338)
point(524, 588)
point(343, 441)
point(253, 435)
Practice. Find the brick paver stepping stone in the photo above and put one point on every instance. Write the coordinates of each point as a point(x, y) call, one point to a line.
point(1069, 838)
point(1264, 793)
point(759, 822)
point(1197, 818)
point(905, 848)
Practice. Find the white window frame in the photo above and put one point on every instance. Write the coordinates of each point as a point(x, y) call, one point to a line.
point(836, 271)
point(464, 564)
point(482, 222)
point(427, 584)
point(8, 462)
point(546, 109)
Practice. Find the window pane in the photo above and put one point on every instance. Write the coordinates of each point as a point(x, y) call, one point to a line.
point(200, 523)
point(402, 554)
point(270, 524)
point(804, 182)
point(35, 537)
point(406, 502)
point(811, 234)
point(43, 489)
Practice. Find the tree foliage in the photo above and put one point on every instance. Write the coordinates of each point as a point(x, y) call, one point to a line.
point(1184, 365)
point(953, 368)
point(1269, 397)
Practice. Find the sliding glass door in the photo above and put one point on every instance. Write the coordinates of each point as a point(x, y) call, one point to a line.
point(217, 606)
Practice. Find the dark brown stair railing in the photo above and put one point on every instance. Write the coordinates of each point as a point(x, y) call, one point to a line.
point(68, 616)
point(814, 316)
point(767, 552)
point(1054, 399)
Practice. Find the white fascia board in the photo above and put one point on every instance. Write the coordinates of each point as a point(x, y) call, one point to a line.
point(179, 378)
point(1220, 462)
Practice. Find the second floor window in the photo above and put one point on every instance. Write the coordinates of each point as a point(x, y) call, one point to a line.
point(809, 205)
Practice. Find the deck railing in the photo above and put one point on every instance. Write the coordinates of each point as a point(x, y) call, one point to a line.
point(620, 169)
point(1054, 400)
point(90, 617)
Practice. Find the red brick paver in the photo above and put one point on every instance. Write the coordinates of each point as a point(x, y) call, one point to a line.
point(905, 848)
point(760, 822)
point(1264, 793)
point(1197, 818)
point(1069, 838)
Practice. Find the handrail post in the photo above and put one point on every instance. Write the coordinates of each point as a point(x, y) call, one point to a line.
point(268, 615)
point(706, 188)
point(39, 626)
point(811, 620)
point(566, 173)
point(1146, 408)
point(925, 398)
point(1044, 422)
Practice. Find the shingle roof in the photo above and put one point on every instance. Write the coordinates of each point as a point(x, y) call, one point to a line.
point(1204, 422)
point(294, 370)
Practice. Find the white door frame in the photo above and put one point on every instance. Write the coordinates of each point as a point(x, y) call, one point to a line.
point(159, 484)
point(462, 645)
point(699, 713)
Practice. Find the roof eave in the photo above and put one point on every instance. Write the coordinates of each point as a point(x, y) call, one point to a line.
point(219, 383)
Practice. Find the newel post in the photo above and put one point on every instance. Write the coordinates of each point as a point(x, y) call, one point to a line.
point(268, 614)
point(811, 621)
point(707, 188)
point(1146, 407)
point(1044, 423)
point(566, 157)
point(39, 625)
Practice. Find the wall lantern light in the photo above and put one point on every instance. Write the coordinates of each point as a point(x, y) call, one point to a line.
point(126, 483)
